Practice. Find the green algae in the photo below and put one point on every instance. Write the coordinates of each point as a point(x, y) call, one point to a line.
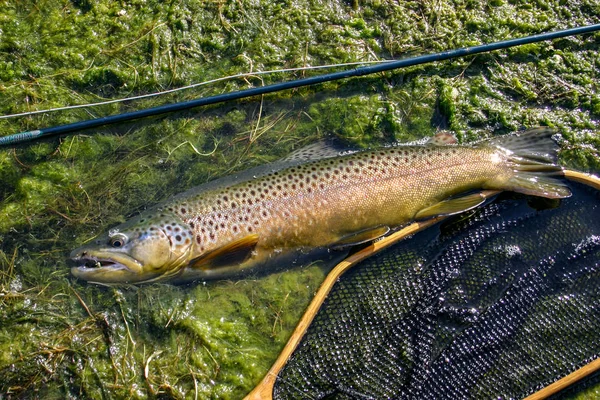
point(62, 338)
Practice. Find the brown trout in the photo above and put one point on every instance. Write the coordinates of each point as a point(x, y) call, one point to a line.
point(314, 200)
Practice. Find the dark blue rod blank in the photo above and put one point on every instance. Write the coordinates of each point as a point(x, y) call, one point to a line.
point(384, 66)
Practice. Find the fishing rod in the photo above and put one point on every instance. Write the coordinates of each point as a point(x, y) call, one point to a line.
point(22, 137)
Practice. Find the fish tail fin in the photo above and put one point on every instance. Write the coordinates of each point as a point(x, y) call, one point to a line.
point(533, 145)
point(533, 154)
point(539, 184)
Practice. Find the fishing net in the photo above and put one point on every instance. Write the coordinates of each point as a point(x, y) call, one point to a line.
point(498, 303)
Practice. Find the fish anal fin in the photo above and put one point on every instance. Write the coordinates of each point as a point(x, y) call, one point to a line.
point(360, 237)
point(232, 253)
point(452, 206)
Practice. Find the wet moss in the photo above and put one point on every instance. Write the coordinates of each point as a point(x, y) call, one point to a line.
point(60, 337)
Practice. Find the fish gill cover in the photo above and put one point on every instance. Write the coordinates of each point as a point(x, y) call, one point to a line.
point(62, 338)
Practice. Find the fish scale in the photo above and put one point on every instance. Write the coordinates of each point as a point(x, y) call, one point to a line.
point(299, 207)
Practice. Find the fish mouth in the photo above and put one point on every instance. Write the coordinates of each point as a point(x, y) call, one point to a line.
point(101, 266)
point(93, 263)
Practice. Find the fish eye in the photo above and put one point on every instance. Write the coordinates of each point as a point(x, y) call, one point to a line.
point(118, 241)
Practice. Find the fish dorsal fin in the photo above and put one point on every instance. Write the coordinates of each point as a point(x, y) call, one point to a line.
point(318, 150)
point(315, 151)
point(360, 237)
point(232, 253)
point(452, 206)
point(442, 138)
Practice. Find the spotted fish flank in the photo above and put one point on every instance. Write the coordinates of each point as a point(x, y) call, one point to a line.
point(297, 206)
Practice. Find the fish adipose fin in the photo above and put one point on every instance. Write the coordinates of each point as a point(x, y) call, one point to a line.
point(452, 206)
point(533, 154)
point(442, 138)
point(363, 236)
point(232, 253)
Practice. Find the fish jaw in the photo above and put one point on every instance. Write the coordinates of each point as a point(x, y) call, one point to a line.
point(107, 267)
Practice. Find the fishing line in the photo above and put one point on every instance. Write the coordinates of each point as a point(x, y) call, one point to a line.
point(361, 71)
point(194, 85)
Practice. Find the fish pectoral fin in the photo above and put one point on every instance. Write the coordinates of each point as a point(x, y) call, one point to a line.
point(452, 206)
point(232, 253)
point(360, 237)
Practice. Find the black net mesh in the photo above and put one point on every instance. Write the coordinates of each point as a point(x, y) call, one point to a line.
point(495, 304)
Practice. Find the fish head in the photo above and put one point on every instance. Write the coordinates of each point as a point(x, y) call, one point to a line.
point(148, 248)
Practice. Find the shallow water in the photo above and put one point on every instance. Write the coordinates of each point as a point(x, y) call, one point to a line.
point(61, 337)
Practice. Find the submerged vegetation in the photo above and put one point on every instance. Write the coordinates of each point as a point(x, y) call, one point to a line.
point(63, 338)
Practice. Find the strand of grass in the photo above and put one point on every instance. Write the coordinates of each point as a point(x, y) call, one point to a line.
point(85, 307)
point(192, 86)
